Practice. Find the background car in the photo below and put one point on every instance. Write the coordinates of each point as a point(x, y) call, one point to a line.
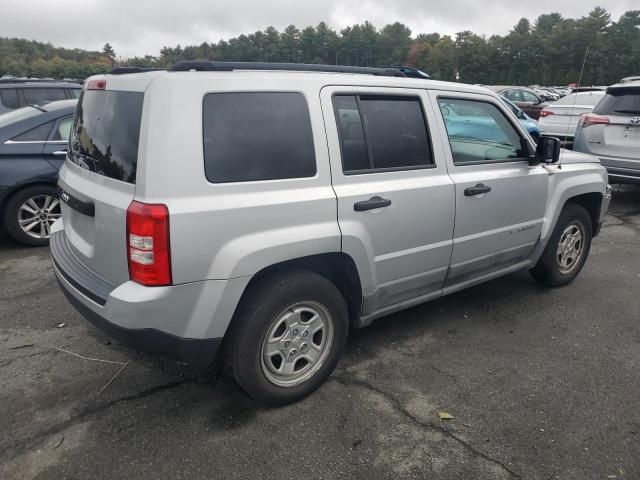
point(412, 72)
point(612, 132)
point(525, 120)
point(20, 93)
point(33, 146)
point(560, 119)
point(526, 99)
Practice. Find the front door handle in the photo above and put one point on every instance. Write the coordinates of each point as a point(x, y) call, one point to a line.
point(371, 204)
point(477, 190)
point(60, 153)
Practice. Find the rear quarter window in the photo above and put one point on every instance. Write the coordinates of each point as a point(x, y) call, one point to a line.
point(250, 136)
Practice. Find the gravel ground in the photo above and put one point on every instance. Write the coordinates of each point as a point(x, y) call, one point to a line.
point(541, 383)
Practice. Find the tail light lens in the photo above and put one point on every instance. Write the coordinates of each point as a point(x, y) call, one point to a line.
point(546, 113)
point(587, 119)
point(148, 244)
point(96, 84)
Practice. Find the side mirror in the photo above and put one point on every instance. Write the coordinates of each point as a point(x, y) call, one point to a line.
point(548, 150)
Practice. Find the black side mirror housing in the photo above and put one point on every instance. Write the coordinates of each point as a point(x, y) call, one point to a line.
point(548, 150)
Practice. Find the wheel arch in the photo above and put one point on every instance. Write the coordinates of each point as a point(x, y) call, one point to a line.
point(15, 189)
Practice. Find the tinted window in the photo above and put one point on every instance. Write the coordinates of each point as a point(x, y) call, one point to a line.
point(75, 92)
point(105, 133)
point(37, 134)
point(63, 129)
point(352, 142)
point(39, 96)
point(623, 101)
point(529, 97)
point(257, 136)
point(9, 97)
point(479, 132)
point(382, 132)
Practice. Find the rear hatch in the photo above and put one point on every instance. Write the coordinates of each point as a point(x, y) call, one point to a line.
point(620, 136)
point(98, 180)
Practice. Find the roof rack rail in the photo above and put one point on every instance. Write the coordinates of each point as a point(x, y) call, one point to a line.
point(125, 70)
point(214, 66)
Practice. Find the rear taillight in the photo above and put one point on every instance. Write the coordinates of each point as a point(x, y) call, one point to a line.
point(148, 244)
point(545, 113)
point(96, 84)
point(587, 119)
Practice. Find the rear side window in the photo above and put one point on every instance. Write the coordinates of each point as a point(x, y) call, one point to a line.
point(39, 96)
point(9, 97)
point(63, 129)
point(257, 136)
point(379, 133)
point(37, 134)
point(105, 133)
point(621, 101)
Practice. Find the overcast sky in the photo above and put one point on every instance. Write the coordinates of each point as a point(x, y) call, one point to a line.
point(138, 27)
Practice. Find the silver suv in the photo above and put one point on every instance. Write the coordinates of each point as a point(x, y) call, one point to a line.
point(263, 213)
point(612, 131)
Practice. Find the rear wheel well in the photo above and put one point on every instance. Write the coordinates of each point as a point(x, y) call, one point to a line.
point(591, 202)
point(338, 268)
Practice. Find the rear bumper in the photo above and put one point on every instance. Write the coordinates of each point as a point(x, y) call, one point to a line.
point(621, 170)
point(149, 319)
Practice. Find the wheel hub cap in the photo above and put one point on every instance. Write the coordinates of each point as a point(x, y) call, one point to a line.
point(296, 344)
point(570, 248)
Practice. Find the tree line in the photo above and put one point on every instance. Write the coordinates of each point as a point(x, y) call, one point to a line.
point(548, 51)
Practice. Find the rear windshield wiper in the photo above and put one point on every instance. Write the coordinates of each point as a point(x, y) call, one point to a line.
point(623, 110)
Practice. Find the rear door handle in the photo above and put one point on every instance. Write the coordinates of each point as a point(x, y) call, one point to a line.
point(477, 190)
point(371, 204)
point(60, 152)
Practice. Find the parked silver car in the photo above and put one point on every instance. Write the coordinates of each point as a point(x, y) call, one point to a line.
point(612, 132)
point(263, 212)
point(560, 119)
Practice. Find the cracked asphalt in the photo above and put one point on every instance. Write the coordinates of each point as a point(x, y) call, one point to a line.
point(542, 384)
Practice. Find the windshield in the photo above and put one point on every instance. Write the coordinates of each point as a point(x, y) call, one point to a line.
point(105, 133)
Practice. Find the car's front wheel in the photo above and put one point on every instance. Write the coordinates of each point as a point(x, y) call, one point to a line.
point(30, 214)
point(568, 248)
point(287, 337)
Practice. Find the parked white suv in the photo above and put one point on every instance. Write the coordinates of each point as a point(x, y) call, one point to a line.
point(269, 211)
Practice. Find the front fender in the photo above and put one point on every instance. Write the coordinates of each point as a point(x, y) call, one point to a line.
point(566, 182)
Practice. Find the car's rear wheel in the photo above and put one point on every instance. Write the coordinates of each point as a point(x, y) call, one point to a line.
point(568, 248)
point(287, 337)
point(30, 214)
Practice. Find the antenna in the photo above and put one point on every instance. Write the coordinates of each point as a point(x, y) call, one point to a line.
point(573, 107)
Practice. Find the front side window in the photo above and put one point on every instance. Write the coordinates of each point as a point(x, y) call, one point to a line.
point(530, 97)
point(513, 95)
point(63, 129)
point(479, 132)
point(38, 96)
point(251, 136)
point(380, 132)
point(37, 134)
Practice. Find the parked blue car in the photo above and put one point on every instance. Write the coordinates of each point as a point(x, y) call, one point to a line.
point(33, 147)
point(525, 120)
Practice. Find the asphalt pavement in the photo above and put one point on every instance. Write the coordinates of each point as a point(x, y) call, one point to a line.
point(541, 383)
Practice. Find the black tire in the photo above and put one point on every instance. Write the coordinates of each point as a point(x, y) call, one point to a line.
point(261, 306)
point(548, 270)
point(11, 213)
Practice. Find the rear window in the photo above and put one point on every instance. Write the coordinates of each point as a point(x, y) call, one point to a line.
point(39, 96)
point(257, 136)
point(622, 101)
point(105, 133)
